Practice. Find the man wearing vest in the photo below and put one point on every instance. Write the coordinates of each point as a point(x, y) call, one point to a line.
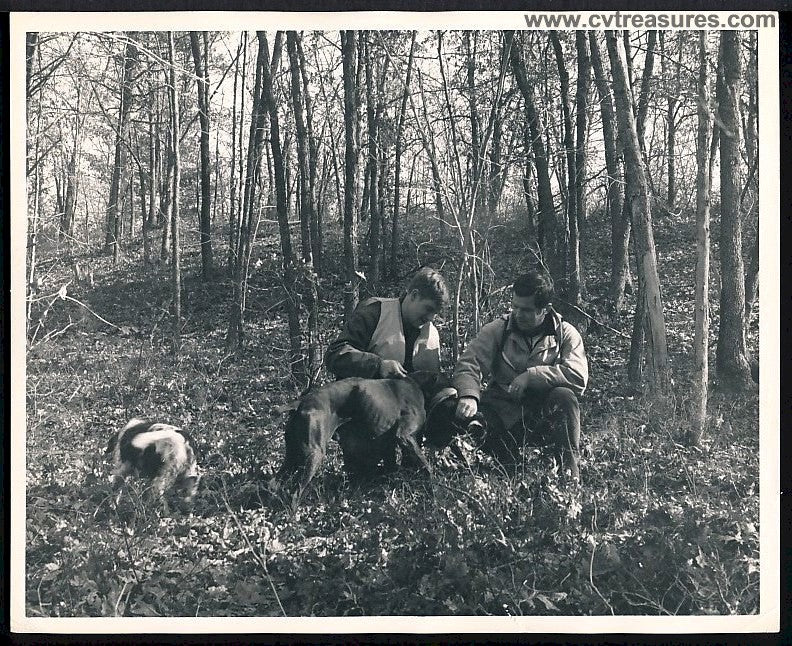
point(391, 337)
point(537, 369)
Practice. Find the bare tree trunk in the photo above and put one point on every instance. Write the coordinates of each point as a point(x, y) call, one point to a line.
point(730, 355)
point(615, 191)
point(649, 301)
point(547, 226)
point(235, 336)
point(176, 260)
point(297, 361)
point(313, 163)
point(348, 53)
point(117, 180)
point(752, 157)
point(701, 335)
point(205, 222)
point(234, 214)
point(568, 229)
point(637, 345)
point(581, 101)
point(394, 241)
point(309, 290)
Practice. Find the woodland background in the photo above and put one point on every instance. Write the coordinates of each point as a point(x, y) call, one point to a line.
point(204, 209)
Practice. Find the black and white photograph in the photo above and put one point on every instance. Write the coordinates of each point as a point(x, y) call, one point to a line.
point(398, 322)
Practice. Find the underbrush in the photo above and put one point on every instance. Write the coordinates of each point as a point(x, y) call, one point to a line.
point(655, 528)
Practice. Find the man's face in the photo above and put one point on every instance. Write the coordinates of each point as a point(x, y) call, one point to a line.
point(417, 310)
point(525, 313)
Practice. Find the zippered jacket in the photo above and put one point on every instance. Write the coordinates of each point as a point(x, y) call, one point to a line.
point(500, 352)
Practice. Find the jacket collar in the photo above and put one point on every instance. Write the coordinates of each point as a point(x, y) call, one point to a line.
point(552, 320)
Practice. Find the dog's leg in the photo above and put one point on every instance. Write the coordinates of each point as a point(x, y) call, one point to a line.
point(407, 437)
point(315, 457)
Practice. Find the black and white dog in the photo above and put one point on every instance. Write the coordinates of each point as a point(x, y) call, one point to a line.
point(162, 453)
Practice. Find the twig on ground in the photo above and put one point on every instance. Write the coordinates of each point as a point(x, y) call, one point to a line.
point(80, 303)
point(261, 561)
point(591, 579)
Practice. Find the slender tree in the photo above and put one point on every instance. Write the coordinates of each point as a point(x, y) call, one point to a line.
point(394, 237)
point(308, 288)
point(701, 335)
point(119, 175)
point(567, 232)
point(547, 225)
point(349, 56)
point(297, 361)
point(615, 180)
point(173, 91)
point(637, 196)
point(730, 357)
point(202, 79)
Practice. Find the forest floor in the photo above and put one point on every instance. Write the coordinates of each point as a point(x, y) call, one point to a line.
point(656, 528)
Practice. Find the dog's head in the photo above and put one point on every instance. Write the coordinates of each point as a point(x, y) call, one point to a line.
point(440, 401)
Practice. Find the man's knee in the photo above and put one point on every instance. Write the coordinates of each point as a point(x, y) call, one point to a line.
point(562, 399)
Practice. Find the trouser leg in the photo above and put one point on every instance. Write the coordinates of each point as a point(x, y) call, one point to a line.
point(562, 411)
point(503, 444)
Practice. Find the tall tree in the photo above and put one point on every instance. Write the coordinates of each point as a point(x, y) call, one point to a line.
point(173, 91)
point(308, 288)
point(118, 178)
point(258, 116)
point(730, 357)
point(202, 78)
point(297, 361)
point(581, 128)
point(570, 286)
point(547, 226)
point(349, 56)
point(615, 180)
point(394, 237)
point(637, 196)
point(701, 334)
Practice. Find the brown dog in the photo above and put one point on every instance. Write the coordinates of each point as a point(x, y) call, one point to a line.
point(370, 417)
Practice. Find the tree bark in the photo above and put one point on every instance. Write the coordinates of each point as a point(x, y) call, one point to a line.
point(348, 53)
point(567, 234)
point(175, 232)
point(297, 360)
point(701, 334)
point(118, 177)
point(615, 181)
point(581, 125)
point(309, 291)
point(730, 357)
point(547, 226)
point(394, 237)
point(637, 196)
point(205, 222)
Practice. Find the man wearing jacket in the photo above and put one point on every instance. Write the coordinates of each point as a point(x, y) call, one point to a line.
point(537, 369)
point(391, 337)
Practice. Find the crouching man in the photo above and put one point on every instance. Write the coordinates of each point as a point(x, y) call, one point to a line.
point(537, 369)
point(391, 337)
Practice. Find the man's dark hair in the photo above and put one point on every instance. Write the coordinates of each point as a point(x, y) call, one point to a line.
point(536, 284)
point(430, 284)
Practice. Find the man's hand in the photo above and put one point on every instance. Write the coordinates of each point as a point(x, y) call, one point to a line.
point(389, 368)
point(466, 407)
point(519, 385)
